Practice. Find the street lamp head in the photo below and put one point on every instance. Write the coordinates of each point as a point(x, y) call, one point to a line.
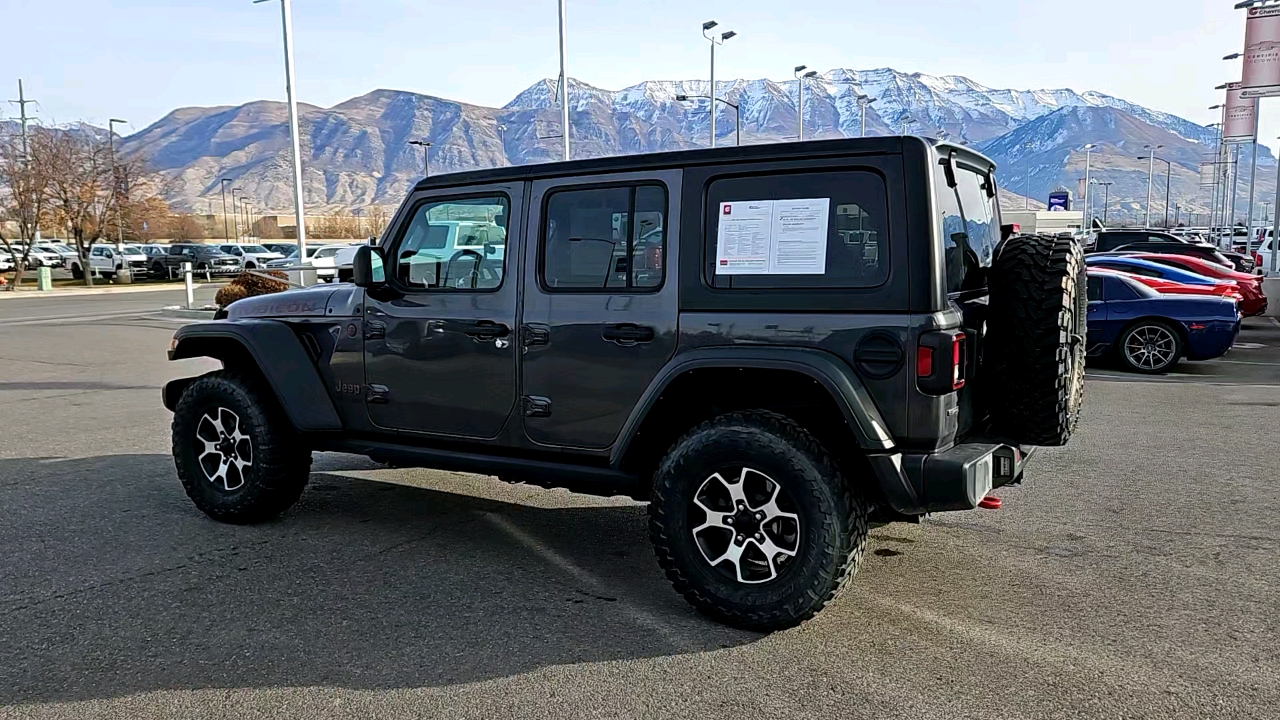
point(117, 120)
point(800, 68)
point(1090, 146)
point(811, 73)
point(420, 143)
point(682, 98)
point(727, 35)
point(705, 26)
point(1215, 107)
point(1223, 86)
point(1232, 56)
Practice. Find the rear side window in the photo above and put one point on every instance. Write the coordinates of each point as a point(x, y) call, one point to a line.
point(1118, 288)
point(604, 239)
point(798, 230)
point(970, 229)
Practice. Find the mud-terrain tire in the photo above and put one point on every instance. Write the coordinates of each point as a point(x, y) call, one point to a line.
point(260, 466)
point(756, 451)
point(1034, 355)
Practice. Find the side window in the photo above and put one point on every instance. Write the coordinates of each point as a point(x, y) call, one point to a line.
point(97, 252)
point(798, 230)
point(1095, 288)
point(604, 238)
point(1117, 289)
point(438, 249)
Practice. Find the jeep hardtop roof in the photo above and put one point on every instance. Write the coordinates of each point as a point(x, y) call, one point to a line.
point(880, 145)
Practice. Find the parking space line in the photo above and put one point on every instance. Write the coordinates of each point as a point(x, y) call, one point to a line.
point(639, 615)
point(66, 319)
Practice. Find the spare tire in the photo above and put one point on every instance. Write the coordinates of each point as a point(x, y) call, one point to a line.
point(1035, 347)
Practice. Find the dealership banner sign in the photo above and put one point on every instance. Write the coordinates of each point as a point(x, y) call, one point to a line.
point(1239, 116)
point(1207, 178)
point(1262, 53)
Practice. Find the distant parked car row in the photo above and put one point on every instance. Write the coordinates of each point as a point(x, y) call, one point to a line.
point(1156, 299)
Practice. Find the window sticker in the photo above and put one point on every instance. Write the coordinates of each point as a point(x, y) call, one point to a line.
point(773, 237)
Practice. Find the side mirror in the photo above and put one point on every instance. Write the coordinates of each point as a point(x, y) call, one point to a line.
point(367, 269)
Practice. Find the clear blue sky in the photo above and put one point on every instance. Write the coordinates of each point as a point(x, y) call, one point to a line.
point(139, 59)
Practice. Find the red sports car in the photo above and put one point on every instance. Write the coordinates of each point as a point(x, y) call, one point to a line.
point(1227, 290)
point(1253, 302)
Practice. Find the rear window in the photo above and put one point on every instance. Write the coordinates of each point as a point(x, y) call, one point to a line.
point(798, 230)
point(970, 228)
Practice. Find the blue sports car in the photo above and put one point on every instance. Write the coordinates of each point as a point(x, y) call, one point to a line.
point(1149, 332)
point(1140, 266)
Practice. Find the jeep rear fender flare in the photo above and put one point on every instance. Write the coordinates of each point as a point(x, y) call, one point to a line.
point(279, 356)
point(833, 374)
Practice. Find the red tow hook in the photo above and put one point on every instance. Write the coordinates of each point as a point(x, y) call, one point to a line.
point(990, 502)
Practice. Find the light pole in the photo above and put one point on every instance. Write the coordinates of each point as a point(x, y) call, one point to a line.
point(226, 227)
point(1026, 186)
point(800, 104)
point(1275, 228)
point(1217, 162)
point(706, 26)
point(907, 120)
point(1266, 211)
point(426, 156)
point(286, 20)
point(1167, 176)
point(737, 113)
point(863, 103)
point(1088, 153)
point(1151, 167)
point(564, 86)
point(115, 181)
point(1106, 199)
point(235, 212)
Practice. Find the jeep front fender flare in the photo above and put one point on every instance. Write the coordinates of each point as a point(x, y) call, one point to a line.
point(836, 376)
point(278, 355)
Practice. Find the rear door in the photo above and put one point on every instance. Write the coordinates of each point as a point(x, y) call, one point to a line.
point(600, 312)
point(440, 355)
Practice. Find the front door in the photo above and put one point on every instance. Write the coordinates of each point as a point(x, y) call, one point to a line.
point(600, 311)
point(440, 354)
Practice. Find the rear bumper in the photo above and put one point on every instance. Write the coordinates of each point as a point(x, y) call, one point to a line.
point(954, 479)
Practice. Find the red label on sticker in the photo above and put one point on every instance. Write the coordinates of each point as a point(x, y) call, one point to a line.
point(726, 209)
point(724, 262)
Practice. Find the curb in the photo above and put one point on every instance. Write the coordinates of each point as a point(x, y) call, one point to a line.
point(118, 290)
point(181, 313)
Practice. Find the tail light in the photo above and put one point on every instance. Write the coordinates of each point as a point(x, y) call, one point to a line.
point(941, 362)
point(1257, 260)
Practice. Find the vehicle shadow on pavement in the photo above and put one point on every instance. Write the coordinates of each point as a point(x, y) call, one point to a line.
point(112, 583)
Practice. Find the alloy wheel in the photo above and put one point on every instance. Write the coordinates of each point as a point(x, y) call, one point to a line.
point(1150, 347)
point(751, 530)
point(226, 452)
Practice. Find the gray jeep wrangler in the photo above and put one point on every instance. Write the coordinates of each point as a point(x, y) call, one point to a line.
point(774, 345)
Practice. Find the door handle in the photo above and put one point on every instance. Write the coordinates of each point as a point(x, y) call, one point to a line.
point(535, 335)
point(627, 333)
point(374, 330)
point(486, 330)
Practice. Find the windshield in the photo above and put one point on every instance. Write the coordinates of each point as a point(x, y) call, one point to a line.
point(254, 249)
point(132, 250)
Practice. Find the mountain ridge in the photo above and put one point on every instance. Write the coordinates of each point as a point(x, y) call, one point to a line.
point(355, 153)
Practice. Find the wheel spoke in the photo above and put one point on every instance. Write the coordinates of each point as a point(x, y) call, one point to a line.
point(714, 519)
point(734, 555)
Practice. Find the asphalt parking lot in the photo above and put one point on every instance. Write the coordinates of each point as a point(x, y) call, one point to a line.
point(1134, 574)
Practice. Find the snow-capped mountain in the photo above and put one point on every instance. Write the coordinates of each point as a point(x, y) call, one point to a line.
point(356, 153)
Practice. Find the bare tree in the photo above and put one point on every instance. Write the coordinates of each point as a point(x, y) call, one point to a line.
point(23, 196)
point(80, 188)
point(185, 227)
point(378, 219)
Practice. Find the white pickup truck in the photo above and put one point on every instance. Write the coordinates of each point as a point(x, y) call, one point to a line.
point(108, 260)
